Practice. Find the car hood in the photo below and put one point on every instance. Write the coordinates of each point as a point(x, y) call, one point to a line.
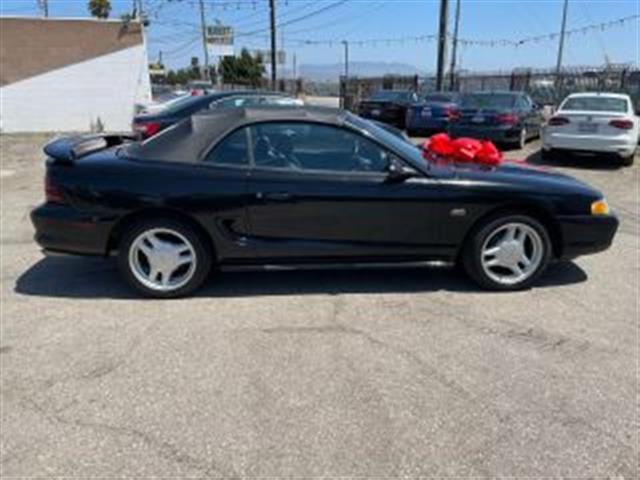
point(519, 176)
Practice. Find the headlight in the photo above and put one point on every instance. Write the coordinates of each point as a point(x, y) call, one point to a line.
point(600, 207)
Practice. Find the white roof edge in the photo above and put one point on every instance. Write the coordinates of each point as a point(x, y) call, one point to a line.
point(600, 94)
point(70, 19)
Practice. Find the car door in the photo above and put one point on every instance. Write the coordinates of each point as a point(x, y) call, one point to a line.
point(321, 191)
point(221, 196)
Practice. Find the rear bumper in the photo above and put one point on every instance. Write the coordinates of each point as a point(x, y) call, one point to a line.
point(418, 122)
point(585, 234)
point(623, 145)
point(394, 117)
point(62, 229)
point(498, 134)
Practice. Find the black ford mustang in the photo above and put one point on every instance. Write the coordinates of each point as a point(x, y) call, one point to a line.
point(278, 185)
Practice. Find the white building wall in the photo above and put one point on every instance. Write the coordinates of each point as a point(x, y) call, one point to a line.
point(72, 98)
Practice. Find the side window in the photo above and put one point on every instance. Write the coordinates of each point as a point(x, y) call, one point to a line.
point(524, 103)
point(231, 150)
point(308, 146)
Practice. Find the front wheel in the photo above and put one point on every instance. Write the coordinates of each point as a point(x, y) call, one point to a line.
point(164, 258)
point(507, 253)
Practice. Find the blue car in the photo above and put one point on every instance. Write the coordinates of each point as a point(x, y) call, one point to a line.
point(432, 114)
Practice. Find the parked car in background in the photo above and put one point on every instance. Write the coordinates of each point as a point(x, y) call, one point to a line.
point(388, 106)
point(163, 102)
point(304, 185)
point(148, 124)
point(199, 87)
point(505, 118)
point(433, 113)
point(596, 123)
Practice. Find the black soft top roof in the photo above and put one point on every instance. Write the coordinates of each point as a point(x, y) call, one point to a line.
point(188, 140)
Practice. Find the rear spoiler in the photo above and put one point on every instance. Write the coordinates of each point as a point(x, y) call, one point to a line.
point(69, 149)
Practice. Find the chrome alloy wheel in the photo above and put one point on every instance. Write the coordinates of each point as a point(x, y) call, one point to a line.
point(512, 253)
point(162, 259)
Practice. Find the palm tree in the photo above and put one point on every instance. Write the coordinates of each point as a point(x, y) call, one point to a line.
point(99, 8)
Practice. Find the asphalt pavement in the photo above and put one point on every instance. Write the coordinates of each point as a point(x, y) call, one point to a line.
point(369, 373)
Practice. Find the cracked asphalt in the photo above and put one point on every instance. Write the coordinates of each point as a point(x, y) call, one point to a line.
point(367, 373)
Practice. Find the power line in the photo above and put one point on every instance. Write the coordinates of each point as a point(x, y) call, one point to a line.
point(297, 19)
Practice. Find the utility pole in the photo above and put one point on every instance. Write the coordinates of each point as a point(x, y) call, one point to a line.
point(274, 76)
point(346, 60)
point(442, 43)
point(561, 44)
point(205, 74)
point(454, 48)
point(44, 6)
point(295, 66)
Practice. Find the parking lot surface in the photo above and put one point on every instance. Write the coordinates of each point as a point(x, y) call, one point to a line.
point(396, 372)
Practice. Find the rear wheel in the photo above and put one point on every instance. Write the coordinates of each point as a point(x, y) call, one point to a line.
point(164, 258)
point(508, 252)
point(547, 155)
point(628, 161)
point(522, 139)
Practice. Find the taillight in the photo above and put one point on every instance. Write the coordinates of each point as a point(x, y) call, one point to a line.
point(622, 124)
point(452, 113)
point(146, 129)
point(52, 192)
point(508, 118)
point(558, 121)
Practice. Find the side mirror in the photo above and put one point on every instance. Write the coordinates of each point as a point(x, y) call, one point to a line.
point(397, 171)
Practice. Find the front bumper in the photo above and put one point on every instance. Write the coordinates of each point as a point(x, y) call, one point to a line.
point(585, 234)
point(497, 134)
point(62, 229)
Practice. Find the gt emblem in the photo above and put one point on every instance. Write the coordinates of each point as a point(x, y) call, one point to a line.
point(458, 212)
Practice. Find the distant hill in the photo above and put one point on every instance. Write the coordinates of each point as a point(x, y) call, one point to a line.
point(331, 72)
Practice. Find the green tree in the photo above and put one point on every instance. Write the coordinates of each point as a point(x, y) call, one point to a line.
point(99, 8)
point(243, 70)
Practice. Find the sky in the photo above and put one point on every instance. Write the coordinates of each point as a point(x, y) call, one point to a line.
point(174, 29)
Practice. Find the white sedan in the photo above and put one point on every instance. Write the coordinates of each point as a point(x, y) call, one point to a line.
point(595, 123)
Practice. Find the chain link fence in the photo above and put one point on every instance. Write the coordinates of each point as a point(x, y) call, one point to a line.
point(544, 86)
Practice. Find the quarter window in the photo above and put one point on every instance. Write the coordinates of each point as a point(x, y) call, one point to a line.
point(307, 146)
point(232, 150)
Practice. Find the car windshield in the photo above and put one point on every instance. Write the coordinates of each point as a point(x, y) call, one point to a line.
point(390, 96)
point(488, 100)
point(408, 150)
point(596, 104)
point(440, 97)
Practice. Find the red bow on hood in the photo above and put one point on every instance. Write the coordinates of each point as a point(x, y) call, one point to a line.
point(462, 149)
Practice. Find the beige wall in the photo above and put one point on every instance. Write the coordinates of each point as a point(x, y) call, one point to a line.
point(33, 46)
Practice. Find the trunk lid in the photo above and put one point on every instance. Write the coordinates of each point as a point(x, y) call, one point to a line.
point(589, 123)
point(67, 150)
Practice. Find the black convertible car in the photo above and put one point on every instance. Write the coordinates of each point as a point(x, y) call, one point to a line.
point(278, 185)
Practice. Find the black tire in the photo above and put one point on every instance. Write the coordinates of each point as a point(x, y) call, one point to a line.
point(472, 250)
point(628, 161)
point(522, 139)
point(202, 251)
point(547, 155)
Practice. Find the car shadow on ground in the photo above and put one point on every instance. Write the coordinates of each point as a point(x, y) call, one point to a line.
point(579, 161)
point(68, 277)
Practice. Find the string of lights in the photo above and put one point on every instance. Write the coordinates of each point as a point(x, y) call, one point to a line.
point(466, 42)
